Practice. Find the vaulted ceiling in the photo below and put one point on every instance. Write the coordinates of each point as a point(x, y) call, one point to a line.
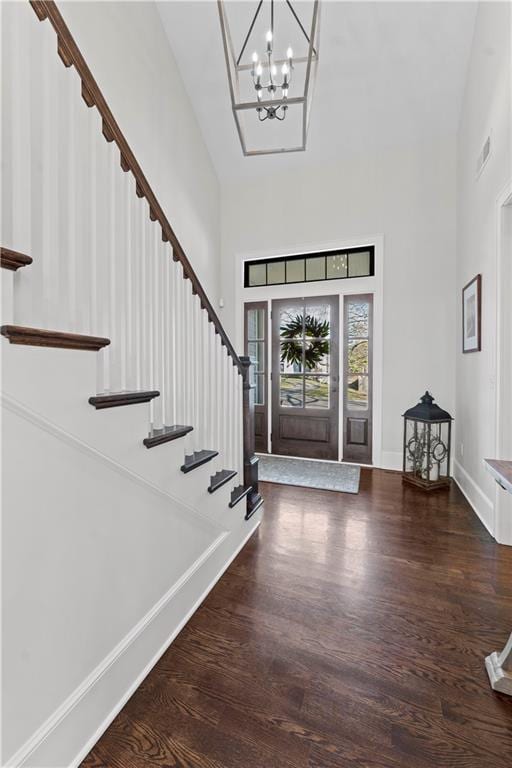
point(389, 74)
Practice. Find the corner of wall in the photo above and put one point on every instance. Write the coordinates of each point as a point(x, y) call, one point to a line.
point(479, 501)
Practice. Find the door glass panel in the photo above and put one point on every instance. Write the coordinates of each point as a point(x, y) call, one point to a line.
point(358, 356)
point(357, 319)
point(259, 391)
point(255, 324)
point(315, 268)
point(275, 273)
point(292, 356)
point(316, 356)
point(317, 321)
point(295, 271)
point(256, 350)
point(291, 323)
point(357, 393)
point(290, 391)
point(257, 274)
point(359, 264)
point(336, 265)
point(317, 391)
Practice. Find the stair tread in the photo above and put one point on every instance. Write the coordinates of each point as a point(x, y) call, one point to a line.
point(166, 434)
point(197, 459)
point(13, 260)
point(239, 493)
point(115, 399)
point(221, 478)
point(253, 511)
point(40, 337)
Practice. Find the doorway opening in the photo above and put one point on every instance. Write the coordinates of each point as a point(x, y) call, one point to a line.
point(503, 501)
point(313, 376)
point(304, 377)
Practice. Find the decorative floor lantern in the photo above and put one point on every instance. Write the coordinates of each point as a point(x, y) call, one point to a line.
point(427, 438)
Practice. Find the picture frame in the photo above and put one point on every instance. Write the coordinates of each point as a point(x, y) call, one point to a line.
point(472, 315)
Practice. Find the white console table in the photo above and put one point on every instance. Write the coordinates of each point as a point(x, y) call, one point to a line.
point(499, 665)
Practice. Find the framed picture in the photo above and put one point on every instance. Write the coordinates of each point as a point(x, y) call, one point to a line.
point(472, 315)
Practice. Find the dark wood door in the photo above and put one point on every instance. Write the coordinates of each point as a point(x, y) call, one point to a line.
point(357, 378)
point(256, 346)
point(305, 376)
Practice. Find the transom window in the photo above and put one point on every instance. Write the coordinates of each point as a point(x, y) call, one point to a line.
point(310, 267)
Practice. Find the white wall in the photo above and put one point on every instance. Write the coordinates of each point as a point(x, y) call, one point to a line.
point(408, 196)
point(486, 109)
point(130, 56)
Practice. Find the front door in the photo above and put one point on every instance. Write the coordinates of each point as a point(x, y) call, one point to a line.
point(305, 376)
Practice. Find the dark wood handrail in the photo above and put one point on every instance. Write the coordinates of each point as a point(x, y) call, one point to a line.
point(70, 54)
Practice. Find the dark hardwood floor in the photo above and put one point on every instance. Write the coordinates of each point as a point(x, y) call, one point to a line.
point(349, 633)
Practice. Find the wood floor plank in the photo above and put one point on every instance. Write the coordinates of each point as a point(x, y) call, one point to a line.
point(349, 633)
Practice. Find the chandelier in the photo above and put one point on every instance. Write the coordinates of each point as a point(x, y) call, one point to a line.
point(277, 84)
point(272, 86)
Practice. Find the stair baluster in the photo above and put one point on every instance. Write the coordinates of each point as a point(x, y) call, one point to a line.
point(52, 316)
point(168, 344)
point(196, 377)
point(179, 367)
point(146, 369)
point(136, 297)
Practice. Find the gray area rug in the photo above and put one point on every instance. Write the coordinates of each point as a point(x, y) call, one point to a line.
point(325, 475)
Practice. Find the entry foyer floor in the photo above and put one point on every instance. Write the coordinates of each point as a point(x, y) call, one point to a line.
point(349, 633)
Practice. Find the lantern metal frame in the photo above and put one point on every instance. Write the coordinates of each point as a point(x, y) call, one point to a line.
point(234, 68)
point(427, 450)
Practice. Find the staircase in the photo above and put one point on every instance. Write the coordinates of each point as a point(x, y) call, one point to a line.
point(165, 345)
point(90, 263)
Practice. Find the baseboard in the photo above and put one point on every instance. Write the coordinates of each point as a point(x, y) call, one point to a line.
point(68, 735)
point(479, 502)
point(391, 460)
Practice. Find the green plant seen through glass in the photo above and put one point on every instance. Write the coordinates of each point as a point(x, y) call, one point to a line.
point(316, 347)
